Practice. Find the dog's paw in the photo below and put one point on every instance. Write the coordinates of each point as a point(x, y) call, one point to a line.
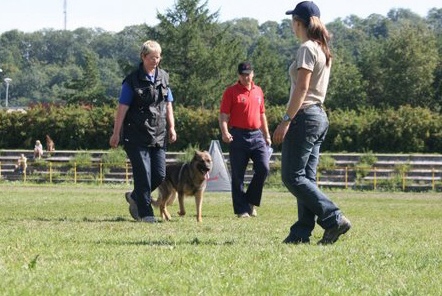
point(182, 213)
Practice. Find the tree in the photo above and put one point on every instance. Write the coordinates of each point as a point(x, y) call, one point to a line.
point(199, 55)
point(435, 20)
point(270, 72)
point(347, 88)
point(409, 62)
point(87, 89)
point(245, 30)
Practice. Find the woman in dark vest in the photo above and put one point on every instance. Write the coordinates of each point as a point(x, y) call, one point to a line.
point(144, 122)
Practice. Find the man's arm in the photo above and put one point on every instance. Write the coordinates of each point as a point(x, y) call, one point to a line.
point(224, 127)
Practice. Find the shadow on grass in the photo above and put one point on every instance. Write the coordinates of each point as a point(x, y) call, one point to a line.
point(170, 243)
point(77, 220)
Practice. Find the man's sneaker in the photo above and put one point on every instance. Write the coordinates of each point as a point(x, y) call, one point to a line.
point(149, 219)
point(331, 235)
point(253, 211)
point(243, 215)
point(293, 239)
point(133, 208)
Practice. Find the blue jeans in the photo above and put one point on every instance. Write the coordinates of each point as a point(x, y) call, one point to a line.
point(247, 145)
point(300, 157)
point(148, 170)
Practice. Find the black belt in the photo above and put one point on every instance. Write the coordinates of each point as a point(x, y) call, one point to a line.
point(249, 130)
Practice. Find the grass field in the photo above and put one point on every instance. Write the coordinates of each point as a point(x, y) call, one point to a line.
point(80, 240)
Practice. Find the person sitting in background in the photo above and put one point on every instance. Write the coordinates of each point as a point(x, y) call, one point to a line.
point(38, 150)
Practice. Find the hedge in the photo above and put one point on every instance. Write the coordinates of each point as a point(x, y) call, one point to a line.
point(405, 130)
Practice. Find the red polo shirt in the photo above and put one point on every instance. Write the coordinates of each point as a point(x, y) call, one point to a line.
point(244, 106)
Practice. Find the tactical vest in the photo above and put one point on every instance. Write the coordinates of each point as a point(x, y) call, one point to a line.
point(145, 122)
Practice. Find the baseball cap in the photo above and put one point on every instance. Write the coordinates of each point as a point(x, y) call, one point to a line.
point(304, 10)
point(245, 68)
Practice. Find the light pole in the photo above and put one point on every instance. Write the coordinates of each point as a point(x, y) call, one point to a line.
point(7, 81)
point(0, 88)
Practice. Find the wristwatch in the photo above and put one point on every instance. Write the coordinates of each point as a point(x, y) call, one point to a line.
point(286, 118)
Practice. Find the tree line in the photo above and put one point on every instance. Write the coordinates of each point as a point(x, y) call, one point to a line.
point(379, 61)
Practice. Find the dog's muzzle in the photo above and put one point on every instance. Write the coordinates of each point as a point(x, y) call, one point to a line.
point(204, 168)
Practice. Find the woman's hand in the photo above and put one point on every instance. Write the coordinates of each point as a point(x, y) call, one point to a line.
point(279, 133)
point(172, 135)
point(114, 140)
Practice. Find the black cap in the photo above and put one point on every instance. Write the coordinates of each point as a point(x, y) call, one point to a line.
point(304, 10)
point(245, 68)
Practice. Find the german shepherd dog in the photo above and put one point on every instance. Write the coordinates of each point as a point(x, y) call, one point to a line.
point(186, 179)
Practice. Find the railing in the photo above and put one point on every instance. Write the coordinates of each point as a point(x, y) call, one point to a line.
point(384, 177)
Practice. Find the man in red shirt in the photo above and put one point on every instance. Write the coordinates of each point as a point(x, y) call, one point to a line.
point(243, 125)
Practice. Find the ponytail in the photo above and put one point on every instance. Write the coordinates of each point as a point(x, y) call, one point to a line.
point(317, 31)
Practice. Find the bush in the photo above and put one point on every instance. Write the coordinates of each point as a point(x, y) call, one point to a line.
point(188, 154)
point(406, 130)
point(326, 163)
point(114, 158)
point(81, 160)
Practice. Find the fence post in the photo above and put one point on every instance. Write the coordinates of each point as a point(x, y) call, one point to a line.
point(375, 179)
point(75, 172)
point(50, 172)
point(346, 177)
point(101, 173)
point(433, 183)
point(317, 178)
point(403, 181)
point(127, 174)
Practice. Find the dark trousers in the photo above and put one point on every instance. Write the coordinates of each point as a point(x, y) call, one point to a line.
point(300, 157)
point(247, 145)
point(148, 170)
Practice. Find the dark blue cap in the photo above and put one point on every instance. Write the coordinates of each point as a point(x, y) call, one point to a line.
point(245, 68)
point(304, 10)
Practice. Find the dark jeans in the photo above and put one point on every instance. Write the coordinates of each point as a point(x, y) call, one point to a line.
point(300, 157)
point(149, 170)
point(247, 145)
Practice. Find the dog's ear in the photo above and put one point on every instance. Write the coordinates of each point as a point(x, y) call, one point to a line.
point(196, 155)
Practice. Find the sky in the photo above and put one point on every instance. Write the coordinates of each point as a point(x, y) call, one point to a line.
point(114, 15)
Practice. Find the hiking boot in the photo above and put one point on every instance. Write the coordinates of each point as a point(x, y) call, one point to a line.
point(243, 215)
point(133, 208)
point(253, 211)
point(149, 219)
point(331, 235)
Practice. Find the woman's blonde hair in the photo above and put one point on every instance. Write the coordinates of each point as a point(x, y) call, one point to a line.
point(317, 31)
point(150, 46)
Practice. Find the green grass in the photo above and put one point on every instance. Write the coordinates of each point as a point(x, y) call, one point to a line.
point(80, 240)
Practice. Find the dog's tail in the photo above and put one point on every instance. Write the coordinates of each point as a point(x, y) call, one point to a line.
point(155, 202)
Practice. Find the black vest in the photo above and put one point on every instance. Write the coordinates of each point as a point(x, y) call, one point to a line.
point(145, 122)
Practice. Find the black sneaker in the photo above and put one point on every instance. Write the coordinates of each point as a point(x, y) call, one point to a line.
point(293, 239)
point(133, 208)
point(332, 235)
